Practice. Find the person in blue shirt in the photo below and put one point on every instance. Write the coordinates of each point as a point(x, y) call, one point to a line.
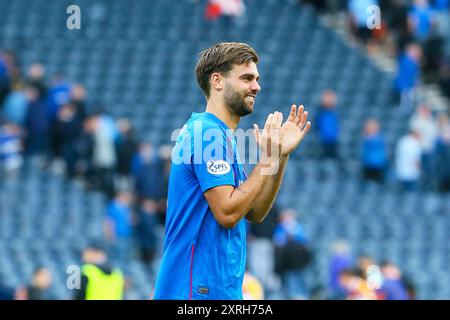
point(408, 75)
point(210, 196)
point(118, 226)
point(328, 125)
point(408, 68)
point(373, 157)
point(421, 18)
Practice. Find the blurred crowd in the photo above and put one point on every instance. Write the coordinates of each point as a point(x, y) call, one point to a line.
point(415, 32)
point(289, 255)
point(53, 124)
point(364, 278)
point(412, 31)
point(419, 160)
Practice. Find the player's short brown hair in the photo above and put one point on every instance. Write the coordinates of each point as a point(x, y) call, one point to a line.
point(221, 58)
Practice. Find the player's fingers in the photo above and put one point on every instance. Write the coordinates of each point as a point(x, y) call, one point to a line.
point(272, 124)
point(256, 132)
point(279, 119)
point(279, 122)
point(275, 130)
point(303, 119)
point(267, 124)
point(292, 113)
point(298, 118)
point(306, 129)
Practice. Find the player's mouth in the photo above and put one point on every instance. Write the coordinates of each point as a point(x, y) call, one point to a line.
point(251, 96)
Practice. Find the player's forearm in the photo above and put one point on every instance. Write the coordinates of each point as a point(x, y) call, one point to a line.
point(242, 198)
point(265, 199)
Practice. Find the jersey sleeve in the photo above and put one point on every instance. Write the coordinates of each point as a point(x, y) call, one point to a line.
point(215, 165)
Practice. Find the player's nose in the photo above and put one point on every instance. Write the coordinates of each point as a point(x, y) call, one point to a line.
point(255, 86)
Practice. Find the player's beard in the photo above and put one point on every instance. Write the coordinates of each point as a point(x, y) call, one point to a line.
point(236, 101)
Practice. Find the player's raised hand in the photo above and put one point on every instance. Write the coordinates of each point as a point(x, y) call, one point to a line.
point(269, 140)
point(294, 129)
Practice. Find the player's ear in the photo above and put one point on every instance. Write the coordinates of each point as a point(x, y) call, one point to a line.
point(217, 81)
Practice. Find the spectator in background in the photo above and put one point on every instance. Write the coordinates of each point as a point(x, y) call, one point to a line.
point(393, 287)
point(119, 226)
point(341, 259)
point(5, 78)
point(396, 14)
point(10, 149)
point(85, 151)
point(36, 79)
point(99, 280)
point(433, 53)
point(39, 289)
point(420, 19)
point(424, 124)
point(58, 95)
point(374, 157)
point(37, 124)
point(67, 130)
point(13, 293)
point(443, 155)
point(407, 76)
point(147, 221)
point(443, 123)
point(147, 169)
point(78, 99)
point(355, 286)
point(408, 160)
point(328, 125)
point(252, 289)
point(444, 77)
point(229, 11)
point(260, 245)
point(410, 287)
point(12, 66)
point(126, 147)
point(358, 17)
point(442, 15)
point(15, 106)
point(165, 152)
point(104, 157)
point(292, 255)
point(364, 261)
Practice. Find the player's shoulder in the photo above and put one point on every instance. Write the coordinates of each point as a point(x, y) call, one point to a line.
point(204, 125)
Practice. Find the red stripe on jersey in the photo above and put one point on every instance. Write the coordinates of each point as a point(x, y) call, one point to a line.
point(190, 272)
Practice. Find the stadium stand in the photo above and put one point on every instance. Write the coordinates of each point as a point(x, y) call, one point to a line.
point(142, 69)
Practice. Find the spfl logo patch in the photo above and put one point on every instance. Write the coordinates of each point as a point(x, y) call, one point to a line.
point(218, 167)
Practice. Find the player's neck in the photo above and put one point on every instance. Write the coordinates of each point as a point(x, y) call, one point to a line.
point(223, 113)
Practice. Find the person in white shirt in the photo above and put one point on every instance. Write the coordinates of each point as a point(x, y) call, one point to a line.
point(426, 126)
point(408, 160)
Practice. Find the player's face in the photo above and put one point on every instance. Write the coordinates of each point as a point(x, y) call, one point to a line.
point(241, 88)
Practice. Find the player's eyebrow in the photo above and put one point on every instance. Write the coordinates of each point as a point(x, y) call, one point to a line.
point(249, 76)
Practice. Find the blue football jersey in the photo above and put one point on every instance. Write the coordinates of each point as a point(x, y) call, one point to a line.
point(201, 259)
